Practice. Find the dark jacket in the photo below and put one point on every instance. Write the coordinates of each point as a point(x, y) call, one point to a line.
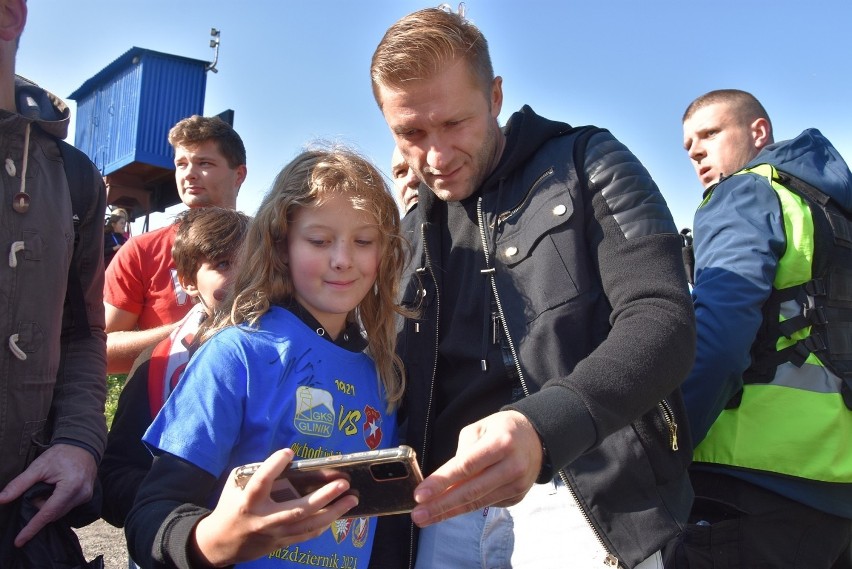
point(739, 239)
point(111, 239)
point(52, 370)
point(126, 459)
point(590, 283)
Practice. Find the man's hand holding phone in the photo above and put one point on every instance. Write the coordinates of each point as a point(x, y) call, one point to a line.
point(248, 523)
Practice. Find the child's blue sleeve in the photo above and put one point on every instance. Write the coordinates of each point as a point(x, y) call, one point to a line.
point(200, 422)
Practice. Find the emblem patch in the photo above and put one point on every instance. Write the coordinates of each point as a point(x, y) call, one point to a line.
point(372, 427)
point(340, 529)
point(360, 530)
point(314, 412)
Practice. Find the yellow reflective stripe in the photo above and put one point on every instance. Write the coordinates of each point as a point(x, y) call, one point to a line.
point(794, 267)
point(789, 431)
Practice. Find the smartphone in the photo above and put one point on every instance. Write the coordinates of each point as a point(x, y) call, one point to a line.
point(384, 480)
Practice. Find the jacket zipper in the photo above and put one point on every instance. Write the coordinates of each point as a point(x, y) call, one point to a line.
point(669, 418)
point(426, 268)
point(610, 560)
point(507, 214)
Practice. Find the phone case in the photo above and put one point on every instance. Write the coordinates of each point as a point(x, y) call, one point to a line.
point(384, 480)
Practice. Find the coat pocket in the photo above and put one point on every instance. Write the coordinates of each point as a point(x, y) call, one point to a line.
point(543, 253)
point(663, 433)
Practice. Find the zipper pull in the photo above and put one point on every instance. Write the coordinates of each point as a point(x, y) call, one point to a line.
point(493, 327)
point(673, 433)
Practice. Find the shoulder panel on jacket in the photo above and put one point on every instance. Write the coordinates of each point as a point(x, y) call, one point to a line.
point(636, 203)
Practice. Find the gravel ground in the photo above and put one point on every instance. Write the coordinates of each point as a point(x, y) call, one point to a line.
point(100, 538)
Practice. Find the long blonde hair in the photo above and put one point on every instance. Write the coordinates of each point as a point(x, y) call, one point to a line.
point(263, 279)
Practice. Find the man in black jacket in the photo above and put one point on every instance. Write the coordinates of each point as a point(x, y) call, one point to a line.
point(554, 324)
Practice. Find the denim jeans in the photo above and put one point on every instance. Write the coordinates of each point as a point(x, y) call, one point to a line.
point(545, 530)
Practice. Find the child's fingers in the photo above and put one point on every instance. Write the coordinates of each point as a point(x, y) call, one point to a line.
point(311, 515)
point(332, 501)
point(260, 484)
point(317, 502)
point(292, 520)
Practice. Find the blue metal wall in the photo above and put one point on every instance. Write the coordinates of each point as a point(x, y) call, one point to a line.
point(125, 111)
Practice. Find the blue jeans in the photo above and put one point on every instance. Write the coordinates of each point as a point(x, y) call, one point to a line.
point(545, 530)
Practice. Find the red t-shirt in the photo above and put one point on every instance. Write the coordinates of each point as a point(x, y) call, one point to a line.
point(142, 279)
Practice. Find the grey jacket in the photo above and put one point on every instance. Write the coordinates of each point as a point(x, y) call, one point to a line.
point(52, 380)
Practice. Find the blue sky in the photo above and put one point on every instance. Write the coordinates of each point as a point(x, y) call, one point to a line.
point(296, 72)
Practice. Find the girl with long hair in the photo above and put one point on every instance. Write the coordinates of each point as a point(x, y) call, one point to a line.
point(302, 359)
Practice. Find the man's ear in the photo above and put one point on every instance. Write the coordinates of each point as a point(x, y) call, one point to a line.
point(496, 96)
point(761, 133)
point(13, 17)
point(242, 172)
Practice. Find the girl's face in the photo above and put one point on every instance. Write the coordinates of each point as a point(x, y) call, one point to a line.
point(333, 253)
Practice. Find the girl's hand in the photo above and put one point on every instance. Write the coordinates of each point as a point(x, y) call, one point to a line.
point(247, 523)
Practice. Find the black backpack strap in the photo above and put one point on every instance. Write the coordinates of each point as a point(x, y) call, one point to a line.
point(826, 299)
point(78, 172)
point(804, 188)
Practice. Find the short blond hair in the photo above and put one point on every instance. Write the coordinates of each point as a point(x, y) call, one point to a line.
point(423, 43)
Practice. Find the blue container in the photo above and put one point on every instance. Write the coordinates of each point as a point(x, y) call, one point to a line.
point(125, 111)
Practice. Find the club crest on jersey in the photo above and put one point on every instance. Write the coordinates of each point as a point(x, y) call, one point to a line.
point(359, 531)
point(340, 529)
point(314, 412)
point(372, 427)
